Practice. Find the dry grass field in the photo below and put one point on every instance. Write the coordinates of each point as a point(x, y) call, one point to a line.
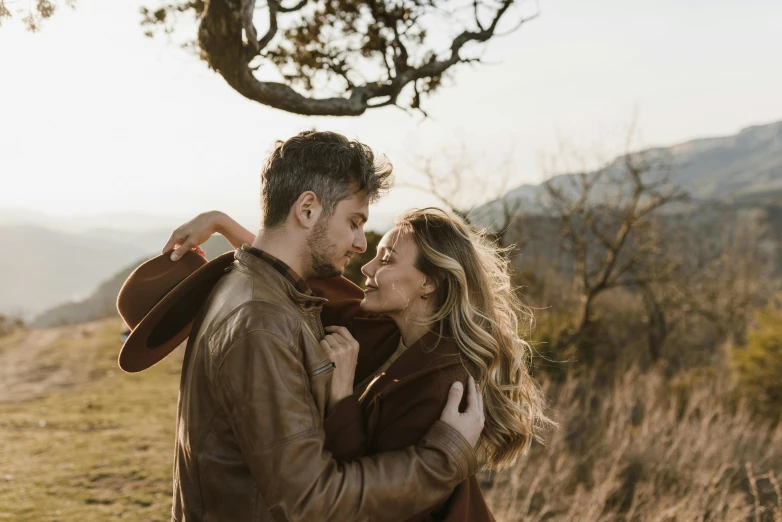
point(82, 441)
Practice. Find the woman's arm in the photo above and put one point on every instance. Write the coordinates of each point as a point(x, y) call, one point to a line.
point(235, 233)
point(199, 229)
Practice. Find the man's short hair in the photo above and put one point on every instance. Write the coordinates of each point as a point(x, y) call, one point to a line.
point(326, 163)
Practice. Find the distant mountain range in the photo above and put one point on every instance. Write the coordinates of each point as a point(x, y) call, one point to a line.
point(740, 168)
point(61, 270)
point(113, 223)
point(101, 303)
point(43, 268)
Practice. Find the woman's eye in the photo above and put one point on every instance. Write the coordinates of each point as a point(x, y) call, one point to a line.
point(384, 261)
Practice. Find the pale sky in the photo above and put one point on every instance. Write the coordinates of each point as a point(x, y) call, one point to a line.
point(95, 117)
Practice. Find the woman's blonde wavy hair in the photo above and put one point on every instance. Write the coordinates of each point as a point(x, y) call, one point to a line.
point(476, 305)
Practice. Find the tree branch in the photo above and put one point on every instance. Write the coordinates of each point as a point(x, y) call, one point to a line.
point(293, 8)
point(220, 38)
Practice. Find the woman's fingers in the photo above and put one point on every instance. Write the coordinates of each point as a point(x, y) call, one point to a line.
point(177, 238)
point(343, 334)
point(341, 331)
point(192, 234)
point(332, 343)
point(326, 346)
point(183, 249)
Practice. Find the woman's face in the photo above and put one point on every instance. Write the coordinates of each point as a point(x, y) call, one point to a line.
point(394, 284)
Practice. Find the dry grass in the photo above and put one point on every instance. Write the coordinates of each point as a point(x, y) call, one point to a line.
point(638, 452)
point(80, 440)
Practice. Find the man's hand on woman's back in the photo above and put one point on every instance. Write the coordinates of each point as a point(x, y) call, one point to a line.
point(469, 423)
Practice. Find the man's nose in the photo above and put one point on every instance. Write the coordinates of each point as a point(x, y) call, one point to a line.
point(360, 244)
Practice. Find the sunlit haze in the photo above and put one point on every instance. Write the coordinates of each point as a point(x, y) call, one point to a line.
point(95, 117)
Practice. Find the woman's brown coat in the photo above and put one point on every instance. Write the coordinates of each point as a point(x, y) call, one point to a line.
point(402, 403)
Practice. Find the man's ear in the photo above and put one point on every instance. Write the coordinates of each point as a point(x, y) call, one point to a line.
point(307, 209)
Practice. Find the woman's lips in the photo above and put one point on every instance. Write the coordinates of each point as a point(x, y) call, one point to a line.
point(370, 289)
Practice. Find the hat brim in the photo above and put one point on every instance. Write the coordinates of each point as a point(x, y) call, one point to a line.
point(169, 322)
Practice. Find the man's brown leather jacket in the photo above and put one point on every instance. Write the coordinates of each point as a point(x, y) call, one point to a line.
point(250, 437)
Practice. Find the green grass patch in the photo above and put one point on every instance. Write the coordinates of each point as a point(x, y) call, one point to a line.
point(98, 445)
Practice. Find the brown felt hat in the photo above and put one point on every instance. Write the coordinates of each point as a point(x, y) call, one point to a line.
point(159, 302)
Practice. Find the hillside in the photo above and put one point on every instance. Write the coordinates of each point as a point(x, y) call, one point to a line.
point(42, 268)
point(48, 268)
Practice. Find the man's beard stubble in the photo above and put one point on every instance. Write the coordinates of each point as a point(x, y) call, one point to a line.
point(322, 253)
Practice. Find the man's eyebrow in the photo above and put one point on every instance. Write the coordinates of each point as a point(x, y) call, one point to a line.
point(361, 215)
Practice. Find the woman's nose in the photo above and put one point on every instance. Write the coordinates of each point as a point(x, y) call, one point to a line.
point(367, 269)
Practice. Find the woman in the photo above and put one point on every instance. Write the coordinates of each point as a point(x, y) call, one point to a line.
point(438, 307)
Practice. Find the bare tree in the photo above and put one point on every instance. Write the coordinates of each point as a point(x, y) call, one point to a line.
point(462, 189)
point(607, 222)
point(726, 277)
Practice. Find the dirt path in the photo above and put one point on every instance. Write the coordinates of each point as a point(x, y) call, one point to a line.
point(37, 362)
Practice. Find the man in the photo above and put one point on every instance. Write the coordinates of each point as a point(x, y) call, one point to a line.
point(255, 379)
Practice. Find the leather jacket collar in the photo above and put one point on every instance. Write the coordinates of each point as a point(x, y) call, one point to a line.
point(260, 269)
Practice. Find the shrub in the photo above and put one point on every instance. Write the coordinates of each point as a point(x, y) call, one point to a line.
point(758, 364)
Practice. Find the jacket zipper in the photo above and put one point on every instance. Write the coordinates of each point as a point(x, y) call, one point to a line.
point(323, 368)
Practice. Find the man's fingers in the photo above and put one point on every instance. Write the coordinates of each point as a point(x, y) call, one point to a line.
point(472, 394)
point(480, 396)
point(454, 398)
